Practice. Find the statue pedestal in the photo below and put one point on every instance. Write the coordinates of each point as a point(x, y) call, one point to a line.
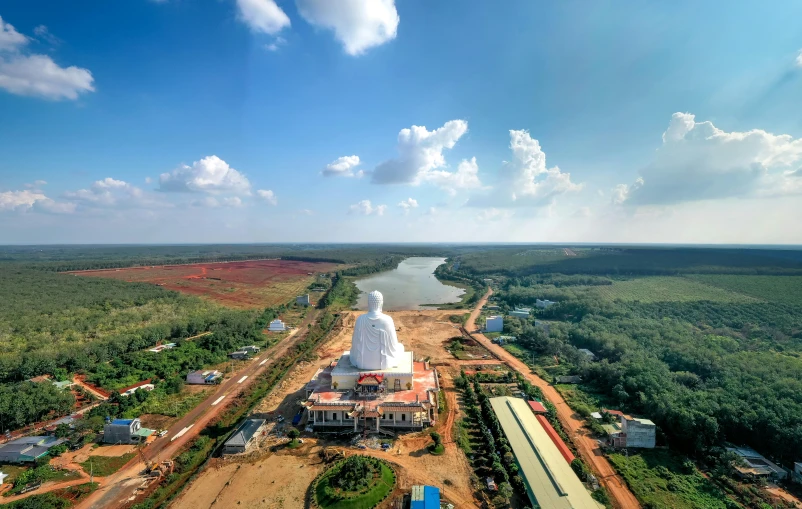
point(346, 374)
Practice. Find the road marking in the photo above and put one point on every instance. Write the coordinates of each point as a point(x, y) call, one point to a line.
point(242, 379)
point(218, 400)
point(181, 433)
point(263, 362)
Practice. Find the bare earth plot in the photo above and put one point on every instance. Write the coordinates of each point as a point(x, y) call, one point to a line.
point(247, 284)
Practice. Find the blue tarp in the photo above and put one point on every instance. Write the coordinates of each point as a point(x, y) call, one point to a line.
point(425, 497)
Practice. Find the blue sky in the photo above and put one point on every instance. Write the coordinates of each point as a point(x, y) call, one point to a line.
point(216, 121)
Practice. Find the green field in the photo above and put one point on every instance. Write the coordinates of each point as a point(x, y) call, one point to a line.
point(662, 479)
point(670, 289)
point(102, 466)
point(784, 289)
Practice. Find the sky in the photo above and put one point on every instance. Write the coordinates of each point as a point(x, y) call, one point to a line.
point(203, 121)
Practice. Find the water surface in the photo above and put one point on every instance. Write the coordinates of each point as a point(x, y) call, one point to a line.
point(409, 286)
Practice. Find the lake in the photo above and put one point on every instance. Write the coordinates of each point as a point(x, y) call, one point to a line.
point(409, 286)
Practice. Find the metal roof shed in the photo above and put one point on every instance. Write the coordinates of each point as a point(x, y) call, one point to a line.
point(425, 497)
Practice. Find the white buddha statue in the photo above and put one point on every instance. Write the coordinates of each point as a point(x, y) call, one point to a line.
point(375, 344)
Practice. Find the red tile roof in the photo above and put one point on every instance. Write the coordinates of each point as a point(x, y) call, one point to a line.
point(537, 407)
point(552, 433)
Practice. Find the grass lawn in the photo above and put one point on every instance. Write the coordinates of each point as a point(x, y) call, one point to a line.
point(12, 470)
point(668, 289)
point(783, 289)
point(372, 497)
point(102, 466)
point(663, 479)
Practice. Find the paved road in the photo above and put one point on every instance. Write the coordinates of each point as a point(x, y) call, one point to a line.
point(586, 446)
point(115, 490)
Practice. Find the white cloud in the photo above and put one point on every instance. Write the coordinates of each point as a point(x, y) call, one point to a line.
point(466, 177)
point(408, 204)
point(43, 33)
point(366, 208)
point(526, 181)
point(210, 202)
point(420, 157)
point(110, 192)
point(268, 196)
point(36, 184)
point(10, 39)
point(799, 59)
point(37, 75)
point(494, 214)
point(698, 161)
point(40, 76)
point(276, 44)
point(262, 16)
point(306, 212)
point(32, 199)
point(343, 167)
point(211, 175)
point(582, 212)
point(358, 24)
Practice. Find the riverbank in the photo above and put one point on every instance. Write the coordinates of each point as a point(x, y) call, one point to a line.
point(465, 298)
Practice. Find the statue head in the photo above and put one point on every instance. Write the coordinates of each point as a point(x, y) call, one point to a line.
point(375, 301)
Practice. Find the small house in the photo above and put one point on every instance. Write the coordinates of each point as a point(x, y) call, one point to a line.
point(27, 449)
point(157, 349)
point(544, 304)
point(587, 354)
point(537, 407)
point(277, 326)
point(204, 377)
point(251, 349)
point(125, 431)
point(303, 300)
point(494, 323)
point(242, 438)
point(240, 355)
point(567, 379)
point(145, 385)
point(756, 465)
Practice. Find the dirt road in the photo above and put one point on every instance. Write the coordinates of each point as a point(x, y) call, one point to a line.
point(586, 446)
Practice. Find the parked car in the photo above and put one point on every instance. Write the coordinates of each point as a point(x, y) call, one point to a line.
point(162, 433)
point(491, 484)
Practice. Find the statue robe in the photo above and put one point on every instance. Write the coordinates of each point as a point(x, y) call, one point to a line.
point(375, 344)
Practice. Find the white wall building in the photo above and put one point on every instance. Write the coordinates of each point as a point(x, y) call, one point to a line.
point(494, 323)
point(277, 326)
point(543, 304)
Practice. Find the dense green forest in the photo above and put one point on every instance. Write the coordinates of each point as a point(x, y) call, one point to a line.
point(710, 357)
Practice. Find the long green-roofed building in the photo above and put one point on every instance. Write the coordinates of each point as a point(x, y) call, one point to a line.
point(550, 481)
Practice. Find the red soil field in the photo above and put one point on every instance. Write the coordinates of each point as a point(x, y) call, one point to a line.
point(246, 284)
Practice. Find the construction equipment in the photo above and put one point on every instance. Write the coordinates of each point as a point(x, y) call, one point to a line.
point(156, 468)
point(329, 455)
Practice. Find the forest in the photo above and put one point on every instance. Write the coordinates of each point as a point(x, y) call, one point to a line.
point(712, 358)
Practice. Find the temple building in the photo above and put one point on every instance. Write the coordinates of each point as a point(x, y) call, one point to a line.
point(375, 386)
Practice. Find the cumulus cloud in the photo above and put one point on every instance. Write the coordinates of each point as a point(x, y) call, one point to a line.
point(466, 177)
point(110, 192)
point(267, 196)
point(420, 159)
point(25, 200)
point(366, 208)
point(698, 161)
point(358, 24)
point(343, 167)
point(210, 175)
point(525, 181)
point(262, 16)
point(10, 39)
point(37, 75)
point(210, 202)
point(408, 204)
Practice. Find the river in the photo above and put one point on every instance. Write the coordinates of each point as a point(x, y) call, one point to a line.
point(409, 286)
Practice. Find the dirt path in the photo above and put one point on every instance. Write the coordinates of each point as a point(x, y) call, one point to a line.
point(49, 486)
point(586, 446)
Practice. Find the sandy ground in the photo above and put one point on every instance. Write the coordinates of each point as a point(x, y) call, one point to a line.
point(110, 450)
point(250, 480)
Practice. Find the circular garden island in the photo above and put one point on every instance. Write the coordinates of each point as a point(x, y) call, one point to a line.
point(356, 482)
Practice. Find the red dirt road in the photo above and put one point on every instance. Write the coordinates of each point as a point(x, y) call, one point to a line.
point(587, 448)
